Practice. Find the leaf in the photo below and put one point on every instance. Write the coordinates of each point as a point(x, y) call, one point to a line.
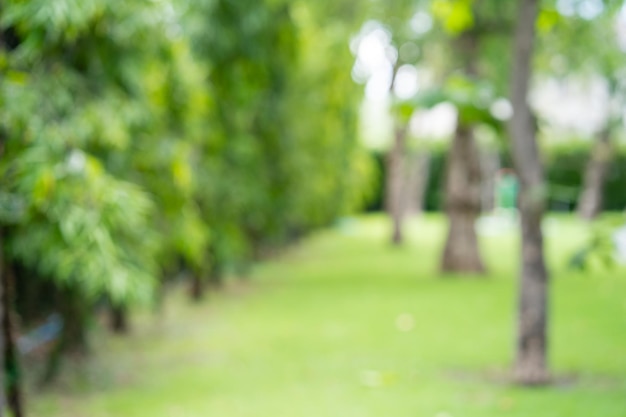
point(547, 20)
point(181, 173)
point(455, 15)
point(43, 186)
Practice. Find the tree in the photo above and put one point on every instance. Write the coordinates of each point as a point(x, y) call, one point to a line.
point(74, 206)
point(10, 383)
point(473, 99)
point(149, 157)
point(3, 382)
point(284, 122)
point(396, 181)
point(590, 200)
point(463, 176)
point(462, 202)
point(405, 50)
point(607, 63)
point(576, 46)
point(476, 31)
point(531, 361)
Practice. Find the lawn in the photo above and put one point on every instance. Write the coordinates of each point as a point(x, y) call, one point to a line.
point(343, 325)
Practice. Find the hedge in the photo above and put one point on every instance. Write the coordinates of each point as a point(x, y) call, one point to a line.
point(564, 165)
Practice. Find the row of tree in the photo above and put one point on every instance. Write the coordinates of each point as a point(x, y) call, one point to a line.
point(481, 52)
point(144, 138)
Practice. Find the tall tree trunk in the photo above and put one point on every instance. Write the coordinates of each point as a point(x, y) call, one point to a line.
point(463, 198)
point(590, 200)
point(3, 401)
point(463, 182)
point(12, 369)
point(490, 163)
point(3, 272)
point(417, 182)
point(396, 182)
point(531, 361)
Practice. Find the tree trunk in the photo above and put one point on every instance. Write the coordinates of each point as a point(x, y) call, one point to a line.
point(3, 271)
point(74, 311)
point(531, 362)
point(396, 182)
point(216, 275)
point(590, 201)
point(12, 371)
point(417, 182)
point(463, 182)
point(3, 401)
point(463, 199)
point(196, 290)
point(119, 319)
point(490, 162)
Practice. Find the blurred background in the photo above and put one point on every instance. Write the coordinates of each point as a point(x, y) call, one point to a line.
point(282, 207)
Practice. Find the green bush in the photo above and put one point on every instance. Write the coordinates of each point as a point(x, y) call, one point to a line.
point(564, 167)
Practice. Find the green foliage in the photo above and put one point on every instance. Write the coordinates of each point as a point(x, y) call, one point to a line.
point(171, 131)
point(475, 36)
point(144, 137)
point(599, 251)
point(576, 45)
point(564, 164)
point(78, 225)
point(83, 227)
point(472, 99)
point(284, 123)
point(456, 16)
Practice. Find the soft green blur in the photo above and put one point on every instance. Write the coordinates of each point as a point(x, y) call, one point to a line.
point(344, 325)
point(151, 145)
point(141, 138)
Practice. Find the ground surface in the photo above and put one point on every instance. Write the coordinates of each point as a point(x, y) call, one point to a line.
point(344, 326)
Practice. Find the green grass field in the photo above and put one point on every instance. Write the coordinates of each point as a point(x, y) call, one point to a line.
point(346, 326)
